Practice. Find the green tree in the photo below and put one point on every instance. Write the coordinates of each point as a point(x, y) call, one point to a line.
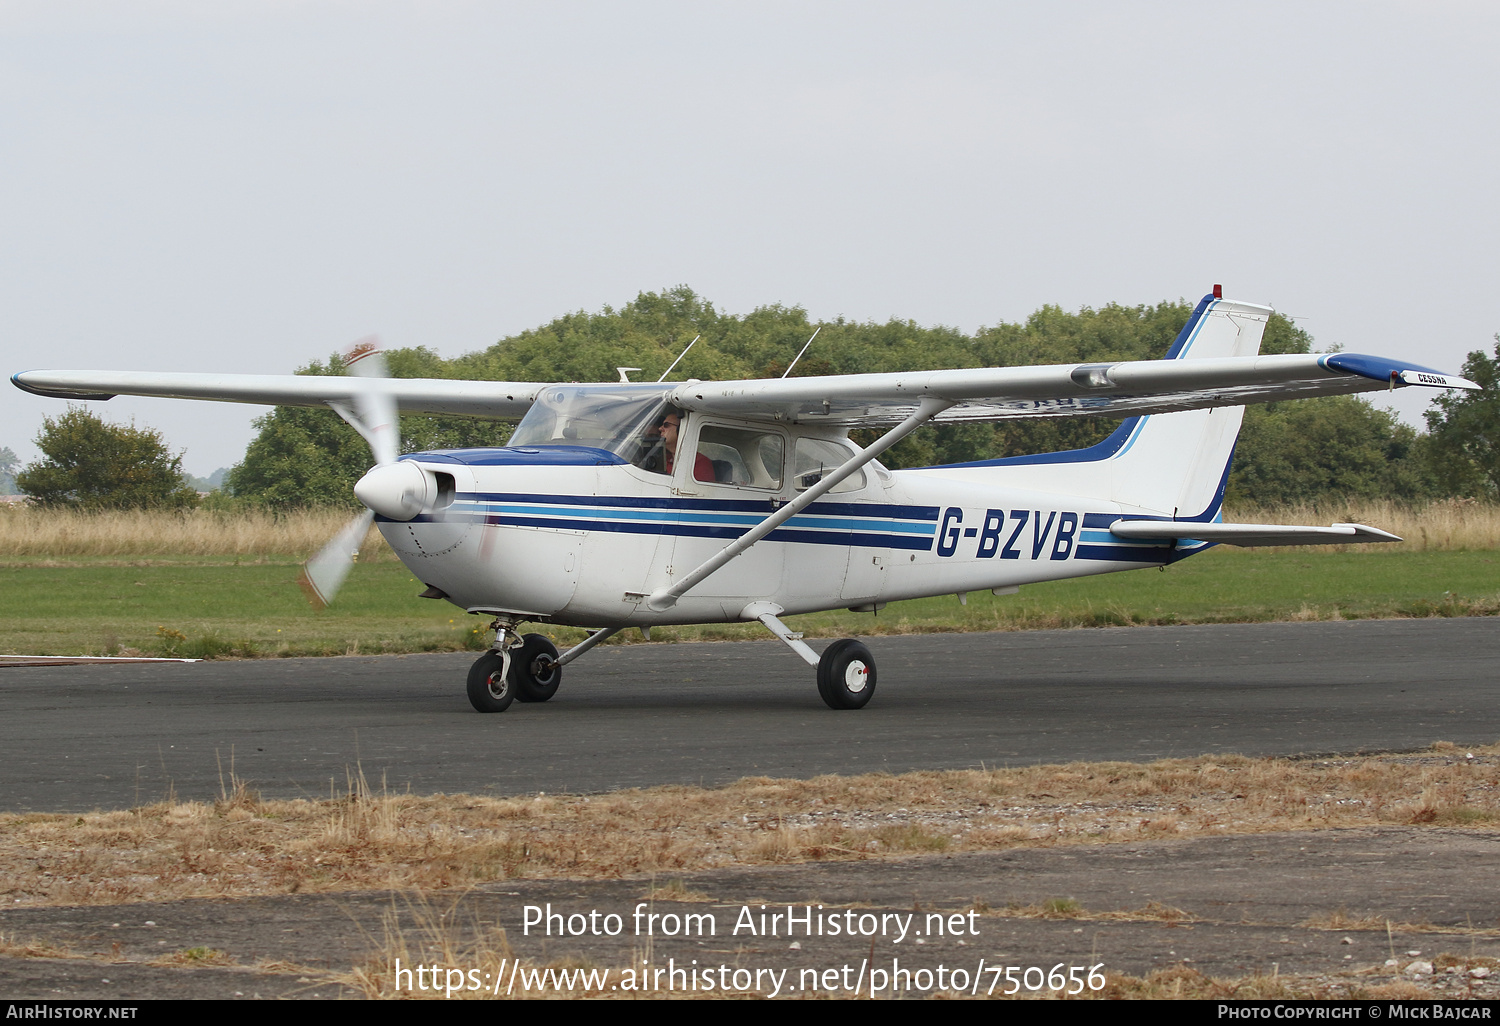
point(9, 464)
point(91, 465)
point(1337, 447)
point(1464, 431)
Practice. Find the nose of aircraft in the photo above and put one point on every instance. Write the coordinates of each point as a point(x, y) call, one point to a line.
point(397, 491)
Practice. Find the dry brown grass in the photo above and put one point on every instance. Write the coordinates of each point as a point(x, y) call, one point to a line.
point(1449, 524)
point(33, 533)
point(674, 890)
point(242, 845)
point(1067, 908)
point(12, 946)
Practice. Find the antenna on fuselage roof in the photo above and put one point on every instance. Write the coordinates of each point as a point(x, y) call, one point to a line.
point(801, 351)
point(624, 380)
point(679, 358)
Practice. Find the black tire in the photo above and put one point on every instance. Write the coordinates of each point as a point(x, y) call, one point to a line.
point(489, 690)
point(534, 673)
point(846, 675)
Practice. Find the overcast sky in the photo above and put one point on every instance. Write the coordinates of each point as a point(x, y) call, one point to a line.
point(245, 186)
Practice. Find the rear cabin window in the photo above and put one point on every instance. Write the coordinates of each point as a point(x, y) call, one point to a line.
point(749, 459)
point(815, 457)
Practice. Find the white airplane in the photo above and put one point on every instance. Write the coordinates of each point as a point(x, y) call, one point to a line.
point(638, 505)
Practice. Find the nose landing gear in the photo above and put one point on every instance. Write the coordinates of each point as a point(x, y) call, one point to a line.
point(523, 668)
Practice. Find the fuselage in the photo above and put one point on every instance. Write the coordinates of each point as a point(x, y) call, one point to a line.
point(578, 535)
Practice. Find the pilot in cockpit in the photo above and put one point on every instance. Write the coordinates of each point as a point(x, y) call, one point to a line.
point(661, 448)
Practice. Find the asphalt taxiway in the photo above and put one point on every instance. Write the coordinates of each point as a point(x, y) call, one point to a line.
point(74, 738)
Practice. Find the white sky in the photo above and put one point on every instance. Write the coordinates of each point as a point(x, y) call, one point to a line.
point(244, 186)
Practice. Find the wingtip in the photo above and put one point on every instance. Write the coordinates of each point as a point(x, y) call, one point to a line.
point(18, 379)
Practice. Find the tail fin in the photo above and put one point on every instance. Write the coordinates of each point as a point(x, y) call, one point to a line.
point(1175, 464)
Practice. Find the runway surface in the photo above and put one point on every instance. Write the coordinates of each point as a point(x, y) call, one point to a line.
point(111, 736)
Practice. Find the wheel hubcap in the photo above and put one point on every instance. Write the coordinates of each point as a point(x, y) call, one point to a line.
point(498, 685)
point(856, 677)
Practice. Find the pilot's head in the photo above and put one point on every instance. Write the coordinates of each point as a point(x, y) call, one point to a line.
point(668, 426)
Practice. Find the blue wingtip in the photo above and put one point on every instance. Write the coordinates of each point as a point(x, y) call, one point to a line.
point(1378, 368)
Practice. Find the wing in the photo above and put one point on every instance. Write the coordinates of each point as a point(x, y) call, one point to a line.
point(848, 400)
point(1070, 390)
point(1212, 363)
point(497, 400)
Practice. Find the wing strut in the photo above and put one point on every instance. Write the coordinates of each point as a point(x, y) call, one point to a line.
point(666, 598)
point(586, 644)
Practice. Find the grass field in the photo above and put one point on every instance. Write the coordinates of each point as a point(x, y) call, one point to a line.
point(215, 584)
point(218, 606)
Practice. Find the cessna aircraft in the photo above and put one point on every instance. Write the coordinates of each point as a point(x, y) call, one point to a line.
point(636, 505)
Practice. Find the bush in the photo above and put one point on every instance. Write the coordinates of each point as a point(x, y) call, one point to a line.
point(91, 465)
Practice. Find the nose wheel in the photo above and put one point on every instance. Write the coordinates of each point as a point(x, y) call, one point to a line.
point(526, 669)
point(489, 684)
point(846, 675)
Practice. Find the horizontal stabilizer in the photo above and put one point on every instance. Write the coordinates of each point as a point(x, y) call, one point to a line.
point(1249, 534)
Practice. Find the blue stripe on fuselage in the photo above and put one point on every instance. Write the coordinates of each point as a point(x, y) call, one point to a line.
point(745, 519)
point(761, 506)
point(659, 527)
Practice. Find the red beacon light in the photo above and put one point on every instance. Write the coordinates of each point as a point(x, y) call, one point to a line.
point(1218, 292)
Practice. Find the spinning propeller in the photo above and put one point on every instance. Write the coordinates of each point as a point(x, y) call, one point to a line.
point(373, 414)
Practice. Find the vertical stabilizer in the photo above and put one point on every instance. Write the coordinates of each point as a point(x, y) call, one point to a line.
point(1175, 464)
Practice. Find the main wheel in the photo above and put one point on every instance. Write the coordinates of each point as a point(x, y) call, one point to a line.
point(846, 675)
point(489, 691)
point(534, 673)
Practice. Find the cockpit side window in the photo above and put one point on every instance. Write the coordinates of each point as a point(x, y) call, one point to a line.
point(658, 447)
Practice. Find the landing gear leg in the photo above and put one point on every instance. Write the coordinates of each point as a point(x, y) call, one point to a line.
point(846, 670)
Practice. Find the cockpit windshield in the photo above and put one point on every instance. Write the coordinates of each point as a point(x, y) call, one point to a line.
point(618, 420)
